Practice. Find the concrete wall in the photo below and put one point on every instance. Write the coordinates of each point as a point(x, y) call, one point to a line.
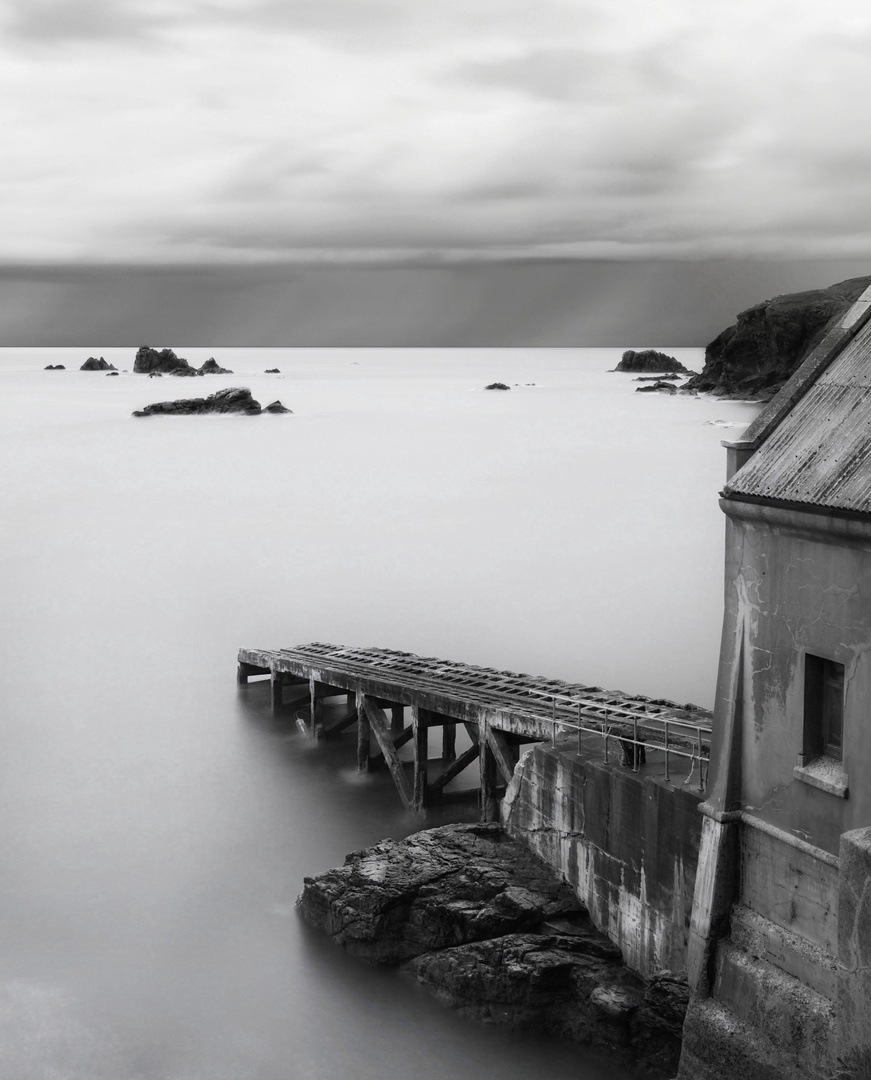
point(628, 845)
point(797, 583)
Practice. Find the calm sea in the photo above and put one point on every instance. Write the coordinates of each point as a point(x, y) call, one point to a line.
point(156, 823)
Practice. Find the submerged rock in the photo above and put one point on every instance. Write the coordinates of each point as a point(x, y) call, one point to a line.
point(756, 355)
point(233, 400)
point(489, 929)
point(94, 364)
point(109, 374)
point(497, 386)
point(212, 367)
point(660, 384)
point(276, 407)
point(649, 360)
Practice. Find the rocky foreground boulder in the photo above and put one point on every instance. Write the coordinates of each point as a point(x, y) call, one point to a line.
point(650, 360)
point(756, 355)
point(489, 929)
point(233, 400)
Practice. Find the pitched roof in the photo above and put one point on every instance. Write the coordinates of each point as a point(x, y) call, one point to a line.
point(814, 437)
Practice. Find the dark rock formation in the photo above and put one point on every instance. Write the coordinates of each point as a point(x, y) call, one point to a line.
point(93, 364)
point(656, 378)
point(272, 371)
point(109, 374)
point(276, 407)
point(233, 400)
point(54, 367)
point(161, 360)
point(660, 384)
point(489, 929)
point(755, 356)
point(497, 386)
point(649, 360)
point(212, 367)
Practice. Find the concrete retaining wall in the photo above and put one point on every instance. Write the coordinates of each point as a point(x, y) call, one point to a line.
point(628, 845)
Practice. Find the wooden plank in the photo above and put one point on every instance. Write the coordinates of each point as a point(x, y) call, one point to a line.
point(379, 726)
point(503, 753)
point(335, 726)
point(454, 769)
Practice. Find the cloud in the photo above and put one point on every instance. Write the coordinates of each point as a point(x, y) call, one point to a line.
point(59, 22)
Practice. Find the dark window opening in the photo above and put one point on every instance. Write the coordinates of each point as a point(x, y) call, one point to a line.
point(823, 707)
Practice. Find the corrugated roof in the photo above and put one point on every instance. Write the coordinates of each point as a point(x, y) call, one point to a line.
point(820, 452)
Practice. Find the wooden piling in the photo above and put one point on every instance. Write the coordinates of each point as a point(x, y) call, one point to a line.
point(449, 741)
point(488, 804)
point(363, 736)
point(420, 744)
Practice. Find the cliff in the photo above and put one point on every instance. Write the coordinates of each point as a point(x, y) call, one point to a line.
point(755, 356)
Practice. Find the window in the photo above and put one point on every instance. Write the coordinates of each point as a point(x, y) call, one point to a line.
point(820, 762)
point(823, 708)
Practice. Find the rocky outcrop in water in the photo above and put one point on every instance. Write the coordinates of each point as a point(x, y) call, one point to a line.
point(95, 364)
point(232, 400)
point(497, 386)
point(165, 361)
point(756, 355)
point(488, 928)
point(54, 367)
point(649, 360)
point(660, 384)
point(276, 407)
point(212, 367)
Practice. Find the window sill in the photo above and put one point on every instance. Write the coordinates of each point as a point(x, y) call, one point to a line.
point(825, 773)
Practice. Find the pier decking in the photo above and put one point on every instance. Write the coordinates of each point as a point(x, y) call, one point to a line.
point(500, 711)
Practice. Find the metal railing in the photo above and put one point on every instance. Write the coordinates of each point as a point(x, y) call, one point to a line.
point(675, 738)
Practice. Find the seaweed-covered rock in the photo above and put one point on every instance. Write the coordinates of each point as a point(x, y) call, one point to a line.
point(232, 400)
point(95, 364)
point(756, 355)
point(212, 367)
point(649, 360)
point(150, 360)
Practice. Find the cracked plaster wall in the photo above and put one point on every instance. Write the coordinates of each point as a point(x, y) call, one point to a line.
point(628, 845)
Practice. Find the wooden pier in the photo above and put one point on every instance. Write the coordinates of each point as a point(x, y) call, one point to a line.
point(396, 697)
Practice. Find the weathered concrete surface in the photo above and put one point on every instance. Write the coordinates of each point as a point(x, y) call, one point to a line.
point(490, 929)
point(627, 844)
point(854, 945)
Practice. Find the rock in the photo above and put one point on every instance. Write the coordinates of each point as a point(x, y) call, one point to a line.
point(668, 387)
point(497, 386)
point(109, 374)
point(54, 367)
point(163, 360)
point(492, 932)
point(272, 371)
point(276, 407)
point(155, 374)
point(93, 364)
point(649, 360)
point(212, 367)
point(233, 400)
point(657, 378)
point(756, 355)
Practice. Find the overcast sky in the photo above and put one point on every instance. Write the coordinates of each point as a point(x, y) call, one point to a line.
point(240, 132)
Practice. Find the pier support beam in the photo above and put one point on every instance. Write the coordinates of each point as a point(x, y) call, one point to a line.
point(380, 728)
point(488, 803)
point(420, 743)
point(245, 670)
point(449, 741)
point(363, 736)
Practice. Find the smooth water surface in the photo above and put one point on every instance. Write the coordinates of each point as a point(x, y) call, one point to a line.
point(156, 822)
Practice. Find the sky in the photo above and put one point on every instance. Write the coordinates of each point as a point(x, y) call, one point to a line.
point(228, 143)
